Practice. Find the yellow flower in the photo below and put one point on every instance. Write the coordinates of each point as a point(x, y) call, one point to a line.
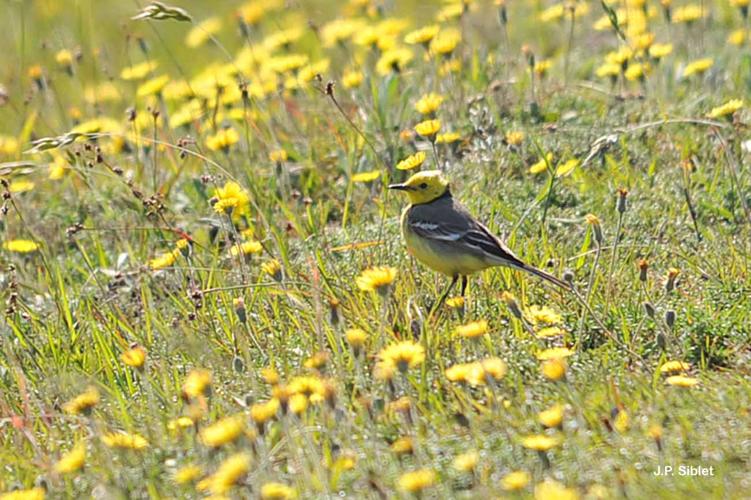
point(138, 71)
point(402, 446)
point(514, 481)
point(245, 248)
point(83, 403)
point(549, 331)
point(541, 442)
point(416, 481)
point(64, 58)
point(423, 35)
point(403, 355)
point(356, 338)
point(20, 246)
point(352, 78)
point(447, 138)
point(393, 60)
point(429, 103)
point(514, 138)
point(230, 472)
point(622, 421)
point(687, 13)
point(37, 493)
point(566, 167)
point(187, 474)
point(340, 30)
point(263, 412)
point(472, 330)
point(466, 462)
point(450, 11)
point(542, 315)
point(134, 357)
point(277, 491)
point(682, 381)
point(197, 383)
point(726, 109)
point(231, 198)
point(553, 490)
point(541, 67)
point(376, 279)
point(554, 369)
point(412, 161)
point(445, 42)
point(273, 268)
point(737, 37)
point(125, 441)
point(164, 260)
point(180, 423)
point(223, 431)
point(223, 139)
point(697, 67)
point(674, 366)
point(204, 30)
point(660, 50)
point(542, 164)
point(73, 460)
point(554, 353)
point(552, 417)
point(636, 71)
point(20, 186)
point(153, 86)
point(428, 128)
point(455, 302)
point(608, 70)
point(366, 176)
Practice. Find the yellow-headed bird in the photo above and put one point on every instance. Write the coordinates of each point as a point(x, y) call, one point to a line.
point(444, 236)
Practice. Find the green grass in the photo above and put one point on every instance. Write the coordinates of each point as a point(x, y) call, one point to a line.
point(88, 293)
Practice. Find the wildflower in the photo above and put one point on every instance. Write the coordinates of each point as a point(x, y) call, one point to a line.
point(660, 50)
point(674, 366)
point(340, 30)
point(393, 60)
point(245, 248)
point(223, 139)
point(230, 472)
point(422, 36)
point(223, 431)
point(466, 462)
point(541, 67)
point(515, 481)
point(445, 42)
point(402, 446)
point(384, 371)
point(566, 168)
point(550, 489)
point(428, 128)
point(608, 70)
point(202, 32)
point(622, 421)
point(636, 72)
point(83, 403)
point(672, 276)
point(180, 423)
point(511, 304)
point(429, 103)
point(187, 474)
point(682, 381)
point(163, 261)
point(554, 353)
point(20, 186)
point(737, 37)
point(377, 279)
point(447, 138)
point(73, 460)
point(594, 222)
point(277, 491)
point(552, 417)
point(541, 442)
point(473, 330)
point(125, 441)
point(455, 302)
point(20, 246)
point(261, 413)
point(352, 78)
point(138, 71)
point(554, 369)
point(726, 109)
point(412, 161)
point(231, 198)
point(450, 11)
point(687, 14)
point(153, 86)
point(36, 493)
point(697, 67)
point(403, 355)
point(514, 138)
point(542, 315)
point(549, 331)
point(134, 357)
point(366, 176)
point(416, 481)
point(317, 361)
point(197, 383)
point(356, 339)
point(273, 268)
point(64, 58)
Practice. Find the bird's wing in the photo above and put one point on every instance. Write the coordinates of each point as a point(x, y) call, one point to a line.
point(450, 223)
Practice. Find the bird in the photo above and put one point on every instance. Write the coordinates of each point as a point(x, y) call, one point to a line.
point(440, 233)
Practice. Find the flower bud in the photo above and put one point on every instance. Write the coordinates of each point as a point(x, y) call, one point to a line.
point(649, 309)
point(672, 275)
point(643, 268)
point(670, 318)
point(621, 204)
point(239, 305)
point(593, 221)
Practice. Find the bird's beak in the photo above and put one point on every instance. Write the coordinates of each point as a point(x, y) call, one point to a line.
point(400, 187)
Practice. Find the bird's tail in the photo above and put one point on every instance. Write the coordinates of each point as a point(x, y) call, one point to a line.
point(546, 276)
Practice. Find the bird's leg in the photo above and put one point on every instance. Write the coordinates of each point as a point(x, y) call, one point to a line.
point(465, 282)
point(445, 294)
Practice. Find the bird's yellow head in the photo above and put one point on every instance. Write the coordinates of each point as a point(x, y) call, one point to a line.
point(424, 187)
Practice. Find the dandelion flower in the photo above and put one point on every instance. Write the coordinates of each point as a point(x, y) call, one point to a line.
point(231, 198)
point(422, 36)
point(197, 383)
point(660, 50)
point(554, 353)
point(447, 138)
point(230, 472)
point(429, 103)
point(246, 248)
point(83, 403)
point(261, 413)
point(473, 330)
point(542, 315)
point(551, 489)
point(73, 460)
point(428, 128)
point(223, 431)
point(402, 446)
point(554, 369)
point(541, 165)
point(403, 355)
point(515, 481)
point(682, 381)
point(352, 79)
point(153, 86)
point(37, 493)
point(277, 491)
point(566, 168)
point(376, 279)
point(416, 481)
point(201, 33)
point(466, 462)
point(138, 71)
point(125, 441)
point(356, 339)
point(412, 161)
point(223, 139)
point(687, 14)
point(727, 109)
point(674, 366)
point(20, 246)
point(187, 474)
point(697, 67)
point(366, 176)
point(552, 417)
point(541, 442)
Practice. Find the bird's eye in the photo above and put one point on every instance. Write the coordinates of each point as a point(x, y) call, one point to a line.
point(423, 185)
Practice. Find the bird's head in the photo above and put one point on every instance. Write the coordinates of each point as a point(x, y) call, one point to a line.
point(424, 187)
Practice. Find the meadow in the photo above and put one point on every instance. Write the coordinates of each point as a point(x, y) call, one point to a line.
point(205, 292)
